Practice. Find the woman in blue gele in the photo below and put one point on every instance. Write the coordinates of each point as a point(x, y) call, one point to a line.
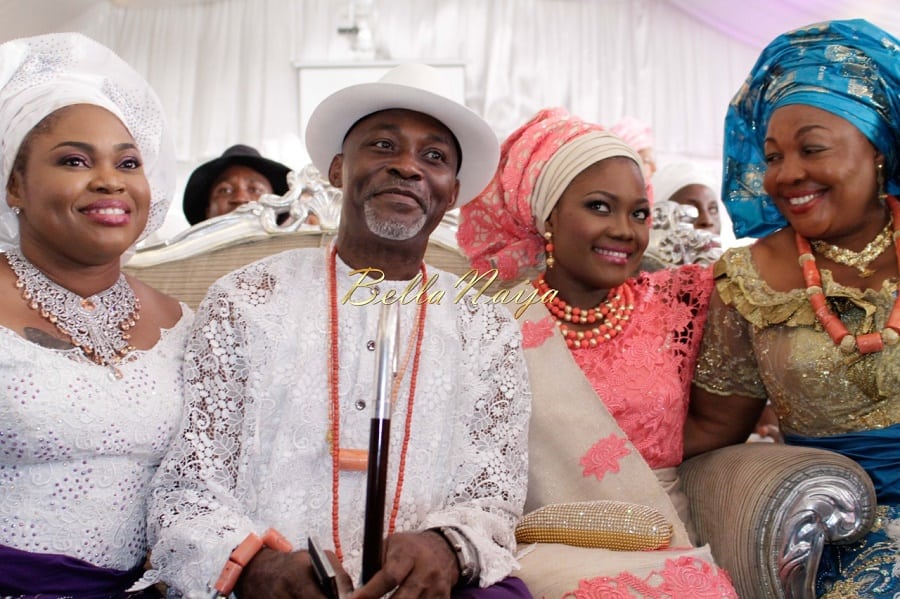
point(808, 316)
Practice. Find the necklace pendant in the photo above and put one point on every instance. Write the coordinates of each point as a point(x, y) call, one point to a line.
point(865, 273)
point(88, 305)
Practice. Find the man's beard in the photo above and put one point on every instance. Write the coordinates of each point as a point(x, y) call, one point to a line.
point(392, 229)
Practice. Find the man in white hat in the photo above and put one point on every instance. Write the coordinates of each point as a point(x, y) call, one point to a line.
point(279, 375)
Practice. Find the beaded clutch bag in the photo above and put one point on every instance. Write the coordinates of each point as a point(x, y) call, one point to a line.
point(602, 524)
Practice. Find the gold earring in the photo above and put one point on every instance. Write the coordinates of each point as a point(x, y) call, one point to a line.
point(879, 178)
point(548, 247)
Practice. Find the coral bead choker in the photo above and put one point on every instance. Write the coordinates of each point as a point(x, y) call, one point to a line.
point(867, 343)
point(610, 316)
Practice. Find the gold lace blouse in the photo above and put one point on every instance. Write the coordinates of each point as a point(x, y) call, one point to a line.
point(759, 342)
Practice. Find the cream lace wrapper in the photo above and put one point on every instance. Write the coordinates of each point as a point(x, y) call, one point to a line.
point(567, 419)
point(632, 529)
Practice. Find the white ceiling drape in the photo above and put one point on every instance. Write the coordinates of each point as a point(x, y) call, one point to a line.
point(225, 69)
point(757, 23)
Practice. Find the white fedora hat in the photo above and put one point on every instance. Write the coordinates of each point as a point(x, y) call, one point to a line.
point(416, 87)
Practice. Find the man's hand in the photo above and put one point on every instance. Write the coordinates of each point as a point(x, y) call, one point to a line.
point(416, 564)
point(277, 575)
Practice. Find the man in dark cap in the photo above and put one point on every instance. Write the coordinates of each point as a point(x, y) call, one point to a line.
point(240, 175)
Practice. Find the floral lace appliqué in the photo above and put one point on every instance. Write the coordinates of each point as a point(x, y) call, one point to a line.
point(535, 333)
point(643, 376)
point(682, 578)
point(604, 456)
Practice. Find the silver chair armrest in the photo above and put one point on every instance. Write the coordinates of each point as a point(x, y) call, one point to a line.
point(767, 511)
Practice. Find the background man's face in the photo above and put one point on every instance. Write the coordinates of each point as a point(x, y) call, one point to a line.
point(236, 185)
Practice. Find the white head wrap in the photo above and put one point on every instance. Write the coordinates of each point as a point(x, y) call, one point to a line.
point(669, 179)
point(41, 74)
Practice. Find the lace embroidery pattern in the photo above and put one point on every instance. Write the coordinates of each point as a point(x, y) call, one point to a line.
point(78, 447)
point(604, 456)
point(535, 333)
point(682, 578)
point(763, 343)
point(643, 376)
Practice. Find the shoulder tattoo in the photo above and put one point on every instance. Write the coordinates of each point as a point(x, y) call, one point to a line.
point(45, 339)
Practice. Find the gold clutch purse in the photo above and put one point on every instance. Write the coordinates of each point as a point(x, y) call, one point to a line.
point(603, 524)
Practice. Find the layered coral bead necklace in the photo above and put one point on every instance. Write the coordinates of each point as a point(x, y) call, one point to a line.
point(865, 344)
point(355, 459)
point(610, 316)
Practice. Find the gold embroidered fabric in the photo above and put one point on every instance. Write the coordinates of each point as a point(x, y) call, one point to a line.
point(868, 566)
point(601, 524)
point(759, 342)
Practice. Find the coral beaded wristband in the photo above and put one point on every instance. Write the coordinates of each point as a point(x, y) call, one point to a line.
point(242, 555)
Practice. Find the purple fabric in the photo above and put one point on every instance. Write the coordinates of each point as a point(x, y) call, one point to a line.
point(508, 588)
point(44, 575)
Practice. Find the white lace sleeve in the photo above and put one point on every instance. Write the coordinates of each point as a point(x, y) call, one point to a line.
point(491, 474)
point(195, 518)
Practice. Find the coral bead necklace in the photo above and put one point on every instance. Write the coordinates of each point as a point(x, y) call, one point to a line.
point(350, 459)
point(610, 316)
point(864, 344)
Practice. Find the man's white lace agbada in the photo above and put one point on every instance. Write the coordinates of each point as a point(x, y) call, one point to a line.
point(79, 446)
point(254, 450)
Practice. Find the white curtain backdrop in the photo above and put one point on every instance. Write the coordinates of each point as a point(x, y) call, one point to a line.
point(226, 69)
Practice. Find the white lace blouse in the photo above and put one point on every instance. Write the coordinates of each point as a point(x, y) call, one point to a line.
point(254, 451)
point(78, 446)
